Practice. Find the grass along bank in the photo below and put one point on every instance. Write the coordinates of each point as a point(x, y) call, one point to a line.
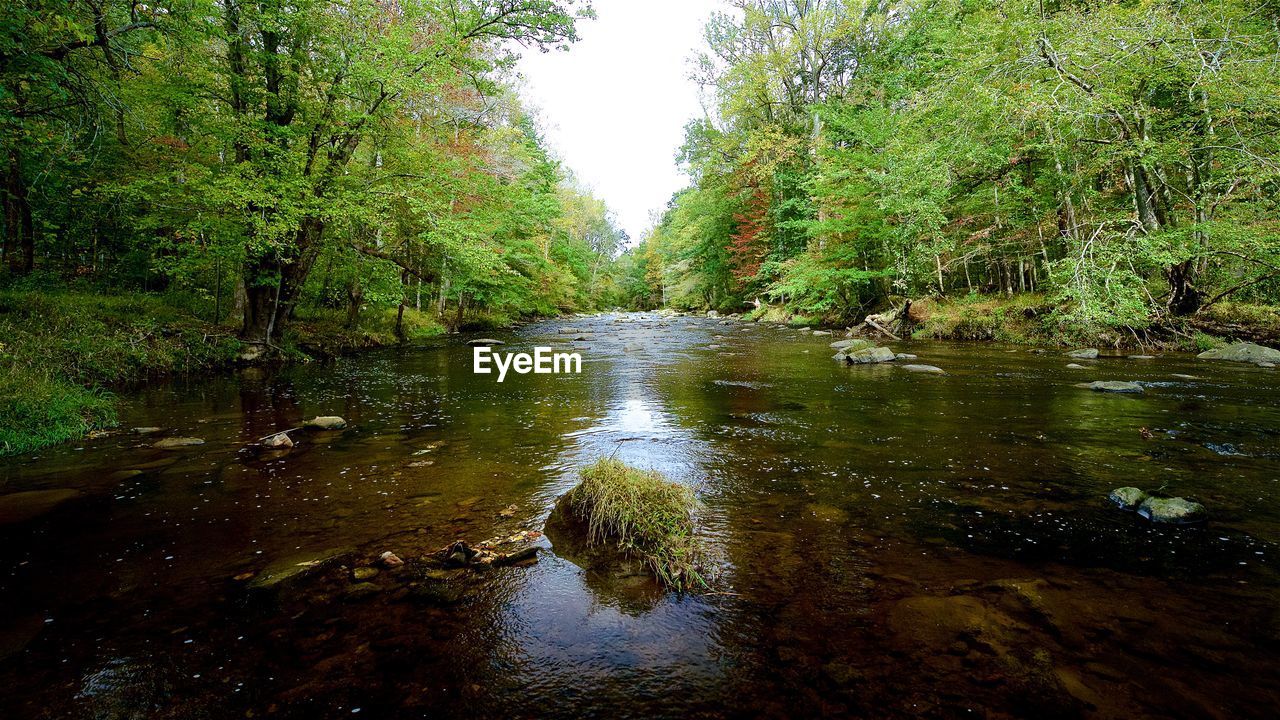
point(62, 352)
point(1031, 318)
point(643, 514)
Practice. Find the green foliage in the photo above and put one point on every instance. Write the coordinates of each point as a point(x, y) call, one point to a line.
point(38, 411)
point(61, 348)
point(1117, 156)
point(644, 515)
point(309, 155)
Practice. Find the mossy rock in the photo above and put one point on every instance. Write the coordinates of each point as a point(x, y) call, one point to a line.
point(1173, 511)
point(1128, 498)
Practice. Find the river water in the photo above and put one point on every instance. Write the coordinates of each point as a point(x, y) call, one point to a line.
point(883, 543)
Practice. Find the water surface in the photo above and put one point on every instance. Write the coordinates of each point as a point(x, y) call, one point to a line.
point(885, 544)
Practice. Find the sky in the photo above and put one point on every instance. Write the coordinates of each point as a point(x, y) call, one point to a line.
point(614, 106)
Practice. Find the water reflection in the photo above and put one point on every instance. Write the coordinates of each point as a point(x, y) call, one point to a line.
point(891, 544)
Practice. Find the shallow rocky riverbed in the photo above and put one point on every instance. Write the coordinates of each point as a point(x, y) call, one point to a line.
point(886, 541)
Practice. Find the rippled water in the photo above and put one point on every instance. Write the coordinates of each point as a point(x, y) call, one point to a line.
point(886, 544)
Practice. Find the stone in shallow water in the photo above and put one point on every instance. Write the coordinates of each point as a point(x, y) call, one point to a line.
point(1128, 498)
point(177, 442)
point(286, 571)
point(869, 355)
point(1242, 352)
point(325, 422)
point(852, 344)
point(1084, 354)
point(485, 342)
point(1114, 386)
point(279, 440)
point(1175, 511)
point(1075, 366)
point(20, 506)
point(931, 369)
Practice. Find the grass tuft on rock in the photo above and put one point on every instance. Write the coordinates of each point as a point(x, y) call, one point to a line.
point(644, 514)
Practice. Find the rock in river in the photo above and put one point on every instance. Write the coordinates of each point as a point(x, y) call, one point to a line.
point(849, 346)
point(22, 506)
point(1112, 386)
point(1075, 366)
point(924, 369)
point(1242, 352)
point(1175, 511)
point(1084, 354)
point(485, 342)
point(177, 442)
point(867, 356)
point(325, 422)
point(1128, 498)
point(279, 440)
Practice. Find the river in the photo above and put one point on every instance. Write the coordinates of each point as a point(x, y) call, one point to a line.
point(883, 543)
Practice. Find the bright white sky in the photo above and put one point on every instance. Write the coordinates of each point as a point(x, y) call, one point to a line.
point(614, 106)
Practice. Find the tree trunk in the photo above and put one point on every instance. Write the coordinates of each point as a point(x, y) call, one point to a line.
point(273, 282)
point(19, 229)
point(355, 297)
point(1184, 298)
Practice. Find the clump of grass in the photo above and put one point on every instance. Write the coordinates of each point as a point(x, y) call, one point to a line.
point(38, 411)
point(644, 514)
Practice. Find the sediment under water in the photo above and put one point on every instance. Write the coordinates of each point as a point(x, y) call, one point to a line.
point(884, 543)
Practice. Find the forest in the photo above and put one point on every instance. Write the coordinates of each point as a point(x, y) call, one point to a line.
point(1115, 160)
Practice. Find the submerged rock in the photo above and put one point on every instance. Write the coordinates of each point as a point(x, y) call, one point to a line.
point(1142, 357)
point(21, 506)
point(149, 430)
point(817, 333)
point(1128, 498)
point(868, 356)
point(361, 574)
point(1242, 352)
point(924, 369)
point(285, 572)
point(325, 422)
point(485, 342)
point(1113, 386)
point(906, 356)
point(1174, 511)
point(1084, 354)
point(177, 442)
point(1075, 366)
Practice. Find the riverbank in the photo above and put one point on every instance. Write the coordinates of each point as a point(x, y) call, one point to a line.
point(1031, 319)
point(63, 352)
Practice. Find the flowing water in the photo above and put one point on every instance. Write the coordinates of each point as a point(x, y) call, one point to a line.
point(883, 543)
